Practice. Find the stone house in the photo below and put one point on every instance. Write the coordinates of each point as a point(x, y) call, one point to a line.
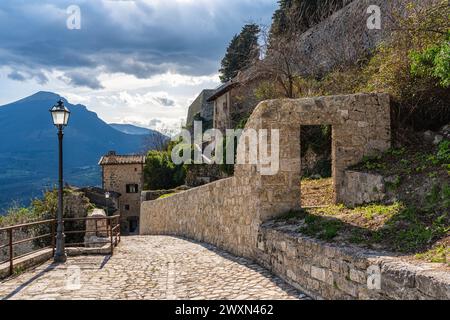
point(124, 174)
point(222, 105)
point(201, 110)
point(235, 100)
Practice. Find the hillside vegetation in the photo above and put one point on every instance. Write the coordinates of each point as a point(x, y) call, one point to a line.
point(412, 65)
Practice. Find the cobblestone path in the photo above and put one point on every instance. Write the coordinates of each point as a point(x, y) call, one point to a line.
point(151, 267)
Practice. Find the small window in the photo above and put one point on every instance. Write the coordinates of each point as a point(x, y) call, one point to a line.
point(127, 207)
point(132, 188)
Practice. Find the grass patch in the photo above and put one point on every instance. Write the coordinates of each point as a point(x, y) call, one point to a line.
point(164, 196)
point(396, 227)
point(439, 254)
point(399, 162)
point(325, 229)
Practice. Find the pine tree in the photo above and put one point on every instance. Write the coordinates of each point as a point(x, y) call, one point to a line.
point(241, 52)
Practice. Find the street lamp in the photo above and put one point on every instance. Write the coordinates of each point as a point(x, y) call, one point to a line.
point(107, 195)
point(60, 116)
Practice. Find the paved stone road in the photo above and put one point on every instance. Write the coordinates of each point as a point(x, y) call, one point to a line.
point(151, 267)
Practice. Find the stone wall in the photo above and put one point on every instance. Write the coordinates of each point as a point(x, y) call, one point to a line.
point(222, 117)
point(243, 96)
point(228, 213)
point(200, 174)
point(219, 213)
point(331, 272)
point(201, 108)
point(363, 187)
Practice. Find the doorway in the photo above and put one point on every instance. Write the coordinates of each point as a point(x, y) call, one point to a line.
point(316, 165)
point(133, 225)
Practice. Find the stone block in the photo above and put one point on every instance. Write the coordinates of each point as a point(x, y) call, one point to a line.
point(318, 273)
point(358, 276)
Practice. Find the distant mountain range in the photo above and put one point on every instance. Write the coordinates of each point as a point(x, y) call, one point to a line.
point(29, 149)
point(131, 129)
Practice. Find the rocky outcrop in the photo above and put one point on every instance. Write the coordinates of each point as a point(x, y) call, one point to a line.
point(345, 37)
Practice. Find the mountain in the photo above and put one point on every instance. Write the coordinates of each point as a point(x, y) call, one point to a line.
point(131, 129)
point(29, 147)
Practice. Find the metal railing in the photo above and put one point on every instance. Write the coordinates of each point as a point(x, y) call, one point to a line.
point(112, 232)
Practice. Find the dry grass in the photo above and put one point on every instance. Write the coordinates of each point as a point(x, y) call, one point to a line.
point(317, 192)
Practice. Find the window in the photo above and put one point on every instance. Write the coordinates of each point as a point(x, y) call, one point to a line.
point(127, 207)
point(132, 188)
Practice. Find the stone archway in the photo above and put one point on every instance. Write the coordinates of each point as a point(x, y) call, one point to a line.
point(228, 213)
point(360, 127)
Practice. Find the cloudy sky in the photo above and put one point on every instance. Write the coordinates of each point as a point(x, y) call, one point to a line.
point(132, 61)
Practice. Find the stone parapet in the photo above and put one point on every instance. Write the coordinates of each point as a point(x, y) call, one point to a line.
point(326, 271)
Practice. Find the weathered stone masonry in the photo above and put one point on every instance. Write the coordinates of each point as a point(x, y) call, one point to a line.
point(328, 271)
point(228, 213)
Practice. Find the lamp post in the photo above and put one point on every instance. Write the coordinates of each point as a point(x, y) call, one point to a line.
point(60, 116)
point(107, 195)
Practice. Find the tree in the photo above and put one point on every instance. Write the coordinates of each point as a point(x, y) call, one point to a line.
point(281, 63)
point(161, 173)
point(241, 52)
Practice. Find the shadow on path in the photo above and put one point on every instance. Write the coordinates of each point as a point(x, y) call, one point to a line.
point(30, 281)
point(248, 263)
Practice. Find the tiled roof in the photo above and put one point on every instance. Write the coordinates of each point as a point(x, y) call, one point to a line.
point(113, 158)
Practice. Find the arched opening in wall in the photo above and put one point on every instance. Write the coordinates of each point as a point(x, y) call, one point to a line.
point(316, 165)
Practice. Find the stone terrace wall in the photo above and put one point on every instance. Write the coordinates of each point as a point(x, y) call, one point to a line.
point(330, 272)
point(228, 213)
point(364, 187)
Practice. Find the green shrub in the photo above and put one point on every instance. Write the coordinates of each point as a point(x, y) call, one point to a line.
point(443, 155)
point(161, 173)
point(17, 215)
point(433, 62)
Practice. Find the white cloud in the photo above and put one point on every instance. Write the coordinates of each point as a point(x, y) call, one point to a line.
point(132, 60)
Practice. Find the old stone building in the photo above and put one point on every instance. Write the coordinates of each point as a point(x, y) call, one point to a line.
point(222, 105)
point(235, 100)
point(201, 110)
point(124, 174)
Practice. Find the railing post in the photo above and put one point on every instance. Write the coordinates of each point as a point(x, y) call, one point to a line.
point(11, 252)
point(111, 234)
point(53, 232)
point(115, 233)
point(119, 229)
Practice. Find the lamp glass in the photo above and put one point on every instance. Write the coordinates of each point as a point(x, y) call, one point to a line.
point(60, 114)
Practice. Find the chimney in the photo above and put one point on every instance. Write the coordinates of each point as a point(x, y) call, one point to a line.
point(111, 153)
